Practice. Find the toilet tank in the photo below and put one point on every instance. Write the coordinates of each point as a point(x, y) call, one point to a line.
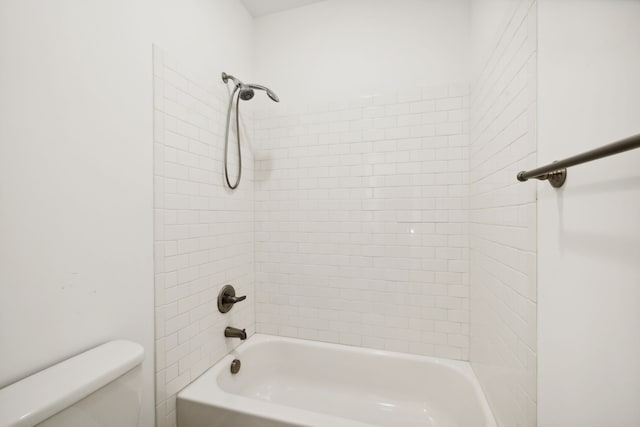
point(101, 387)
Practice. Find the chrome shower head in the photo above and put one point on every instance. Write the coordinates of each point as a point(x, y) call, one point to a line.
point(273, 96)
point(246, 93)
point(270, 93)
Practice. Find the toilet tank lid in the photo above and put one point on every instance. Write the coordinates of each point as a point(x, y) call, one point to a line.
point(45, 393)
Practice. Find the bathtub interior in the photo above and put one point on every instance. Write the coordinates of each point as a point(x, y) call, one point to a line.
point(371, 387)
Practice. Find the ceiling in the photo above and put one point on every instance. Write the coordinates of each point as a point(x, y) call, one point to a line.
point(258, 8)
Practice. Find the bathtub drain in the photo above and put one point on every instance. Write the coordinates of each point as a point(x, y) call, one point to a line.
point(235, 366)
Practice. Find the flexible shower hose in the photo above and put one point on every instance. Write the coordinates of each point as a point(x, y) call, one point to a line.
point(226, 140)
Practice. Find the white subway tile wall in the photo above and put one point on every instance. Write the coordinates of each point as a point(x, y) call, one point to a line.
point(503, 220)
point(203, 232)
point(361, 225)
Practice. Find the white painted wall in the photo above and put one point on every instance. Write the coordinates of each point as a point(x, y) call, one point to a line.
point(205, 34)
point(76, 167)
point(76, 192)
point(589, 231)
point(345, 48)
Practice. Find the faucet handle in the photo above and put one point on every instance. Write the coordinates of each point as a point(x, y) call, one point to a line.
point(227, 298)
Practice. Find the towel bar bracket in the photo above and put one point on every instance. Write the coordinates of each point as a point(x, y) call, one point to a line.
point(556, 178)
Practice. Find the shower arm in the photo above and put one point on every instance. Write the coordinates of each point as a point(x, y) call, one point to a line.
point(237, 82)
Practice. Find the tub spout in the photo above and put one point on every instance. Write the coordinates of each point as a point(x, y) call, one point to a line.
point(230, 332)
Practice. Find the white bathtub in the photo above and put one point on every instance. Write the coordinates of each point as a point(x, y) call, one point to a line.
point(291, 382)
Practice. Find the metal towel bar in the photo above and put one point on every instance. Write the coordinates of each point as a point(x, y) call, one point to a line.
point(556, 172)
